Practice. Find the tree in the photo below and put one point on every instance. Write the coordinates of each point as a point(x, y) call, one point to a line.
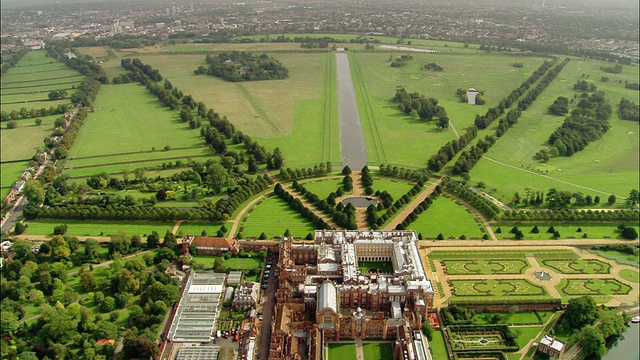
point(59, 248)
point(611, 200)
point(217, 177)
point(629, 233)
point(633, 197)
point(139, 347)
point(581, 311)
point(12, 124)
point(88, 281)
point(34, 192)
point(346, 170)
point(593, 343)
point(9, 322)
point(19, 228)
point(153, 240)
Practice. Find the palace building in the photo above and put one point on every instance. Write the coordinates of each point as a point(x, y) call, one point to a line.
point(324, 295)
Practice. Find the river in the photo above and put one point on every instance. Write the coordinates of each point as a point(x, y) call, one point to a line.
point(627, 347)
point(352, 146)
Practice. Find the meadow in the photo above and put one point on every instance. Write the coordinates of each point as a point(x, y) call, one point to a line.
point(395, 138)
point(29, 82)
point(297, 114)
point(21, 143)
point(446, 217)
point(602, 168)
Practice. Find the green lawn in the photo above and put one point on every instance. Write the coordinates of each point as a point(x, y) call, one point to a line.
point(380, 351)
point(518, 318)
point(629, 275)
point(342, 351)
point(502, 254)
point(323, 187)
point(397, 188)
point(208, 261)
point(439, 219)
point(21, 143)
point(384, 267)
point(438, 346)
point(273, 217)
point(525, 334)
point(97, 228)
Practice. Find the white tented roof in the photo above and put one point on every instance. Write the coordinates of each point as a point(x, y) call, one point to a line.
point(328, 297)
point(206, 289)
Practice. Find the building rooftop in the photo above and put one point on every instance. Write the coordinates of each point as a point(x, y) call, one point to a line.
point(327, 297)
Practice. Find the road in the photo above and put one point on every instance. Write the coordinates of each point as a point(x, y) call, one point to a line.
point(267, 308)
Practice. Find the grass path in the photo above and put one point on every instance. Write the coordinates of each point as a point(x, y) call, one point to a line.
point(258, 109)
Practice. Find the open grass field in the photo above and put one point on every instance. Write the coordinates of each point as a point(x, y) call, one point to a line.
point(525, 334)
point(29, 82)
point(395, 138)
point(381, 351)
point(579, 266)
point(341, 351)
point(97, 228)
point(484, 267)
point(131, 107)
point(231, 264)
point(21, 143)
point(273, 217)
point(439, 218)
point(600, 169)
point(384, 267)
point(567, 231)
point(629, 275)
point(579, 287)
point(496, 288)
point(298, 114)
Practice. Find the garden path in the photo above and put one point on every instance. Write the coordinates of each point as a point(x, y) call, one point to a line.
point(550, 285)
point(399, 218)
point(358, 190)
point(238, 219)
point(359, 351)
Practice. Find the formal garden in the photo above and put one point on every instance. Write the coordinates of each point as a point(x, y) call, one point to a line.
point(593, 286)
point(496, 288)
point(578, 266)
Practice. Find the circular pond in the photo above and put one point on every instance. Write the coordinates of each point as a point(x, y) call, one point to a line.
point(359, 201)
point(542, 275)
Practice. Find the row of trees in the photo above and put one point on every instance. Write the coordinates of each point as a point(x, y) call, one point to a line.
point(296, 204)
point(293, 174)
point(9, 61)
point(568, 215)
point(469, 158)
point(422, 207)
point(84, 64)
point(482, 122)
point(33, 113)
point(449, 150)
point(344, 216)
point(475, 199)
point(400, 172)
